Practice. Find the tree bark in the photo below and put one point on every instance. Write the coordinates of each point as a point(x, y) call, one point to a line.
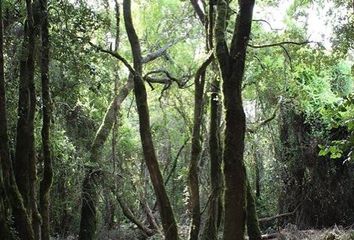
point(215, 208)
point(22, 222)
point(253, 230)
point(89, 197)
point(167, 216)
point(89, 194)
point(25, 161)
point(232, 66)
point(193, 174)
point(4, 227)
point(215, 205)
point(101, 137)
point(47, 179)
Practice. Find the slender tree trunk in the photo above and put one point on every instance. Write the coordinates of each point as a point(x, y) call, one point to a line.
point(88, 221)
point(167, 216)
point(88, 215)
point(253, 230)
point(215, 205)
point(232, 65)
point(24, 135)
point(47, 179)
point(215, 208)
point(4, 227)
point(258, 173)
point(22, 222)
point(89, 193)
point(193, 174)
point(25, 161)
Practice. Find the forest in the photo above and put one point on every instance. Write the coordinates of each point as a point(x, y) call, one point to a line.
point(176, 119)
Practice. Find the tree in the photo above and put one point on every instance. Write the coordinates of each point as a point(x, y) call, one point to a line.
point(14, 198)
point(232, 66)
point(47, 178)
point(167, 216)
point(4, 226)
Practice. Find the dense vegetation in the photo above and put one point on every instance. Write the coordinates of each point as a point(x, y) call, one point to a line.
point(171, 119)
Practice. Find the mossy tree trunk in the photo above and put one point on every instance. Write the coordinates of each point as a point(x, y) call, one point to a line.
point(88, 211)
point(25, 160)
point(215, 209)
point(167, 216)
point(4, 227)
point(232, 66)
point(193, 174)
point(253, 230)
point(24, 140)
point(47, 179)
point(89, 192)
point(14, 199)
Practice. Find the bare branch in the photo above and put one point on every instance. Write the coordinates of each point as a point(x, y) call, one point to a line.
point(266, 219)
point(114, 54)
point(280, 44)
point(168, 79)
point(265, 121)
point(267, 23)
point(161, 51)
point(148, 58)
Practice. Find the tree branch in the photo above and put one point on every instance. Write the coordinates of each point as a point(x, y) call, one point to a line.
point(266, 219)
point(148, 58)
point(114, 54)
point(280, 44)
point(198, 11)
point(161, 51)
point(168, 79)
point(266, 22)
point(265, 121)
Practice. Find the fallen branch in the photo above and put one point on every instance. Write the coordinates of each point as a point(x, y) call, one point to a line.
point(267, 219)
point(270, 236)
point(129, 214)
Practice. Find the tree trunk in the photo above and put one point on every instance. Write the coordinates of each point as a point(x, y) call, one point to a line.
point(103, 133)
point(47, 179)
point(26, 107)
point(89, 197)
point(89, 194)
point(193, 174)
point(232, 66)
point(215, 205)
point(4, 228)
point(215, 209)
point(253, 230)
point(167, 216)
point(22, 222)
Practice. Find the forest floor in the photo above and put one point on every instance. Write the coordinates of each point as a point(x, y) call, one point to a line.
point(291, 232)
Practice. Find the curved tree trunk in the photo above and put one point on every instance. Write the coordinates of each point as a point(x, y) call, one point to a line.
point(232, 66)
point(88, 215)
point(89, 194)
point(167, 216)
